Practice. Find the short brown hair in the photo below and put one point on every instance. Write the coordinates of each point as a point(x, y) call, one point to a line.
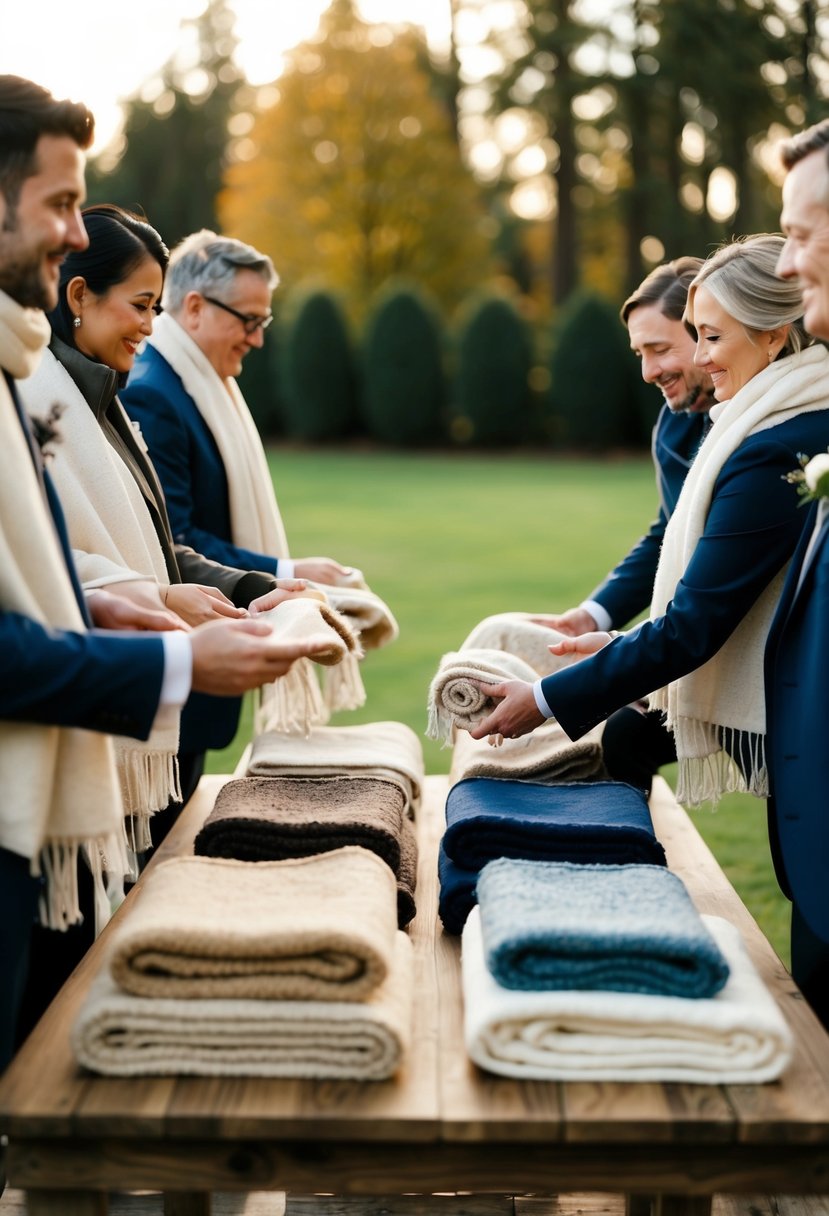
point(666, 286)
point(28, 111)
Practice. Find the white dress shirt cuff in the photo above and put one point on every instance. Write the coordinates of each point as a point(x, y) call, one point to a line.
point(599, 614)
point(178, 668)
point(543, 707)
point(285, 567)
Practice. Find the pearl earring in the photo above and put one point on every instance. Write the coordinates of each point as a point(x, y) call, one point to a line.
point(77, 322)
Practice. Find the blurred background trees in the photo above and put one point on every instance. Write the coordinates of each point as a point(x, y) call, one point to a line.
point(553, 153)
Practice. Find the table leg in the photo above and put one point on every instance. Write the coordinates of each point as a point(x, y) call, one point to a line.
point(67, 1203)
point(187, 1203)
point(682, 1205)
point(638, 1205)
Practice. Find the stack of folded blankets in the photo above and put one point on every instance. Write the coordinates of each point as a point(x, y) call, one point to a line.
point(292, 968)
point(608, 973)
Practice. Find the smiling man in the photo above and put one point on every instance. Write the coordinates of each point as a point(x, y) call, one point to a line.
point(797, 655)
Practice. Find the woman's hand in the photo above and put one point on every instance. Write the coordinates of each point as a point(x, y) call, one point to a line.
point(196, 604)
point(115, 611)
point(515, 714)
point(323, 570)
point(285, 589)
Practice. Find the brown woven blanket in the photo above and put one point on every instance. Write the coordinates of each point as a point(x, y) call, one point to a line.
point(270, 818)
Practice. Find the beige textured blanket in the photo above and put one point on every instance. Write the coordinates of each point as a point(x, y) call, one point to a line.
point(123, 1035)
point(456, 700)
point(388, 751)
point(516, 633)
point(546, 756)
point(316, 928)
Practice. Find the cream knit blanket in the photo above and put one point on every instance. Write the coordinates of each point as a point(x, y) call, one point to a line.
point(723, 701)
point(456, 700)
point(123, 1035)
point(113, 539)
point(737, 1037)
point(515, 633)
point(60, 788)
point(546, 756)
point(294, 703)
point(317, 928)
point(387, 751)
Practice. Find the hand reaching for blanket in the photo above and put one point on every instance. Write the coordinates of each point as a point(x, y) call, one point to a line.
point(285, 589)
point(573, 622)
point(197, 604)
point(584, 643)
point(515, 714)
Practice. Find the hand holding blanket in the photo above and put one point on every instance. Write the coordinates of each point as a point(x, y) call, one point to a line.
point(546, 756)
point(455, 696)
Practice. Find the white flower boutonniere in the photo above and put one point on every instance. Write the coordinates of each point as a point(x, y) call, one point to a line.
point(812, 478)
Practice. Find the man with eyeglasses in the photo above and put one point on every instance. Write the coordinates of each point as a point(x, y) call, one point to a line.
point(201, 437)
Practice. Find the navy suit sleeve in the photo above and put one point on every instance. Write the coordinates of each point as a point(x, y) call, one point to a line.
point(99, 680)
point(628, 588)
point(170, 446)
point(751, 531)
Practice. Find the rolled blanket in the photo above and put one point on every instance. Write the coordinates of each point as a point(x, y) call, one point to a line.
point(516, 633)
point(455, 700)
point(546, 756)
point(389, 751)
point(367, 614)
point(605, 822)
point(313, 928)
point(456, 897)
point(123, 1035)
point(739, 1036)
point(271, 818)
point(555, 925)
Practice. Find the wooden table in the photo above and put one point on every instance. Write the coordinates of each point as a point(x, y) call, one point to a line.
point(441, 1125)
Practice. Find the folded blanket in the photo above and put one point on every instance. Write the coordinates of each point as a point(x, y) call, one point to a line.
point(555, 925)
point(367, 614)
point(456, 897)
point(546, 756)
point(123, 1035)
point(271, 818)
point(389, 751)
point(738, 1036)
point(606, 822)
point(407, 874)
point(515, 633)
point(455, 700)
point(313, 928)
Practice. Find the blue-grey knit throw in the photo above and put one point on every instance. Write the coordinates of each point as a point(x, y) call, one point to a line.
point(630, 928)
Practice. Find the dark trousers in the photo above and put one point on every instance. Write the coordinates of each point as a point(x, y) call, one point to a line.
point(810, 966)
point(636, 744)
point(18, 908)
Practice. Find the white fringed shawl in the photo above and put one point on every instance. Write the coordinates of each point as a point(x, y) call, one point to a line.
point(712, 710)
point(60, 790)
point(111, 531)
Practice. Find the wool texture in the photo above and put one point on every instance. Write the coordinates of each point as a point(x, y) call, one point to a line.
point(516, 633)
point(455, 699)
point(119, 1034)
point(113, 540)
point(388, 751)
point(271, 818)
point(632, 928)
point(307, 929)
point(60, 786)
point(546, 756)
point(456, 896)
point(713, 710)
point(738, 1036)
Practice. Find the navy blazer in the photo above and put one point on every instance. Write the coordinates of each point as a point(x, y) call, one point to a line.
point(752, 529)
point(797, 699)
point(188, 463)
point(628, 588)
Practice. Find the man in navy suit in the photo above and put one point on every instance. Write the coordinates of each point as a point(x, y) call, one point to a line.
point(108, 682)
point(635, 743)
point(797, 655)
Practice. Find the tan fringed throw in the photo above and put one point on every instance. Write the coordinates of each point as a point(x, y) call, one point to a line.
point(546, 756)
point(318, 928)
point(60, 789)
point(113, 539)
point(713, 708)
point(122, 1035)
point(294, 704)
point(388, 751)
point(516, 633)
point(455, 700)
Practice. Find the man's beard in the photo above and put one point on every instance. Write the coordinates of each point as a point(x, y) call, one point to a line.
point(702, 398)
point(22, 280)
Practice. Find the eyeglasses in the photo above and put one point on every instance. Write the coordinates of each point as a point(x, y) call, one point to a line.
point(250, 321)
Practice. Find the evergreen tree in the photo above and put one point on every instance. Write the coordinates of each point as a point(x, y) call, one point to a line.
point(317, 367)
point(492, 394)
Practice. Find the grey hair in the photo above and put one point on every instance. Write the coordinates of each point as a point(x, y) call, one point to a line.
point(208, 263)
point(741, 278)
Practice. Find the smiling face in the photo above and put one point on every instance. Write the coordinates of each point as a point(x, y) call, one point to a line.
point(115, 323)
point(43, 224)
point(805, 221)
point(666, 352)
point(220, 335)
point(728, 352)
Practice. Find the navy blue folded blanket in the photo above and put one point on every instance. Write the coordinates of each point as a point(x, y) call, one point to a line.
point(633, 928)
point(606, 822)
point(457, 893)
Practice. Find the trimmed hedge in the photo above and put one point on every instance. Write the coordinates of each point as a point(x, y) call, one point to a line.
point(492, 399)
point(317, 367)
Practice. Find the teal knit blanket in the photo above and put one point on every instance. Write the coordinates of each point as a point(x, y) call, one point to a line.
point(629, 928)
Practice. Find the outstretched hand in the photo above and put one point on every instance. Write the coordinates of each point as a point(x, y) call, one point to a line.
point(572, 622)
point(230, 657)
point(112, 611)
point(584, 643)
point(515, 714)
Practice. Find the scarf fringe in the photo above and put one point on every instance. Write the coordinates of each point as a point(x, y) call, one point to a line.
point(343, 685)
point(711, 769)
point(57, 862)
point(293, 703)
point(149, 782)
point(439, 724)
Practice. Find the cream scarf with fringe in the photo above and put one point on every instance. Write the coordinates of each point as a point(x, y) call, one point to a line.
point(60, 789)
point(112, 534)
point(255, 522)
point(714, 709)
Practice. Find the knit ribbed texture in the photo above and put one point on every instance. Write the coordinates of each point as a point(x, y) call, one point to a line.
point(546, 756)
point(455, 698)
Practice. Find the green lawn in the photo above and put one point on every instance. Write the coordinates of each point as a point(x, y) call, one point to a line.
point(449, 539)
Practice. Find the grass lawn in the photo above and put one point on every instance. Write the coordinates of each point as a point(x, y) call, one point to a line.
point(449, 539)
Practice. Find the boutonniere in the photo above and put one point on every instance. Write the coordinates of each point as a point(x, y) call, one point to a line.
point(46, 430)
point(812, 478)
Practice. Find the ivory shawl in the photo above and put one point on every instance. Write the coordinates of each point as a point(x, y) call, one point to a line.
point(713, 709)
point(60, 789)
point(112, 533)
